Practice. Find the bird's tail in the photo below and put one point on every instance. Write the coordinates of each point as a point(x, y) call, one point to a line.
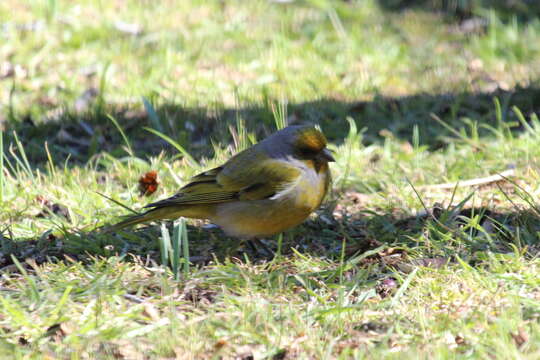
point(154, 214)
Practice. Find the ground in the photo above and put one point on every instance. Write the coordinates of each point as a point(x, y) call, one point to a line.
point(398, 263)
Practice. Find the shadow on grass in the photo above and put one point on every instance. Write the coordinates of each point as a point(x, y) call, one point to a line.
point(77, 138)
point(80, 137)
point(431, 238)
point(522, 10)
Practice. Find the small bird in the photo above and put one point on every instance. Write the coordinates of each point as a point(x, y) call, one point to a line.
point(266, 189)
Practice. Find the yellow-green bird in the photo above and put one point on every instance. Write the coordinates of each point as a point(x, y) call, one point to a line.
point(263, 190)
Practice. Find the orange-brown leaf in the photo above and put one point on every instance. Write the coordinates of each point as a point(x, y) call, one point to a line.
point(148, 183)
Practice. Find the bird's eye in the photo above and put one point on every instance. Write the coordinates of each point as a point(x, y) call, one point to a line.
point(308, 153)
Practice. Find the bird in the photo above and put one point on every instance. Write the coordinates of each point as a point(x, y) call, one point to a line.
point(263, 190)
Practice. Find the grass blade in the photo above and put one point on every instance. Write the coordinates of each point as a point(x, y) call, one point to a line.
point(457, 133)
point(52, 169)
point(164, 245)
point(152, 114)
point(522, 120)
point(176, 145)
point(124, 137)
point(279, 246)
point(61, 302)
point(279, 112)
point(185, 246)
point(355, 260)
point(117, 203)
point(23, 155)
point(403, 287)
point(34, 290)
point(352, 140)
point(176, 244)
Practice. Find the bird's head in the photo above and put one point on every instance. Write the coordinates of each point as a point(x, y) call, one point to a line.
point(303, 142)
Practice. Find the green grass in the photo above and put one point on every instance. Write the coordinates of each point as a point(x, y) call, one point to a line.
point(390, 267)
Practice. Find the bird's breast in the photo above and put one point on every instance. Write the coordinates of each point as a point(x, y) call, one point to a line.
point(312, 186)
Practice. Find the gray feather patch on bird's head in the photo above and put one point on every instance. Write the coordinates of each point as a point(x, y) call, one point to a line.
point(295, 140)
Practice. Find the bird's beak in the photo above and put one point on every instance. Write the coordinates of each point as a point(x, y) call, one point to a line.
point(327, 155)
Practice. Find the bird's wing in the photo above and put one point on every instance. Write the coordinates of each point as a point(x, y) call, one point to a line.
point(246, 176)
point(255, 176)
